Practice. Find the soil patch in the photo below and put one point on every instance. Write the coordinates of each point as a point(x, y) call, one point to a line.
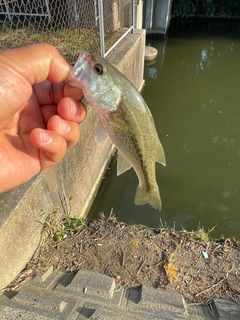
point(176, 261)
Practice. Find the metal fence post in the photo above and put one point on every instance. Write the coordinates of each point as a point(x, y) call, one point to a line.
point(133, 14)
point(48, 11)
point(101, 27)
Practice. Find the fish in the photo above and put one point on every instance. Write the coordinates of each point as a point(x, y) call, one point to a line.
point(125, 117)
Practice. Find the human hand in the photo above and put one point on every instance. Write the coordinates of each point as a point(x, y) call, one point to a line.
point(39, 114)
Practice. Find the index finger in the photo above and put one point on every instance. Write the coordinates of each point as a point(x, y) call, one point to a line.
point(23, 67)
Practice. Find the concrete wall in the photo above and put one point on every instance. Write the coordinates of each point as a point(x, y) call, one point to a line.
point(157, 14)
point(138, 10)
point(78, 176)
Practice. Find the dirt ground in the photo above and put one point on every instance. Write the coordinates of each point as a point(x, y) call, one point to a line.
point(176, 261)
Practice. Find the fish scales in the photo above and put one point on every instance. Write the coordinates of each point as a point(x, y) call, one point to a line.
point(125, 117)
point(136, 149)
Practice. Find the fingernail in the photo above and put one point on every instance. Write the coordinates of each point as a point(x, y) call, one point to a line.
point(64, 127)
point(45, 137)
point(75, 111)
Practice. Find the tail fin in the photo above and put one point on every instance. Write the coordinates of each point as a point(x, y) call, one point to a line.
point(143, 197)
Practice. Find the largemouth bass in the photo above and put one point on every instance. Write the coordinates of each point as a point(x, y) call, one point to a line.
point(125, 117)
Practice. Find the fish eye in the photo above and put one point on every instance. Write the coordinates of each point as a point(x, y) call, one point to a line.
point(98, 68)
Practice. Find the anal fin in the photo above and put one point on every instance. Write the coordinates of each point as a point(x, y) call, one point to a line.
point(160, 158)
point(122, 164)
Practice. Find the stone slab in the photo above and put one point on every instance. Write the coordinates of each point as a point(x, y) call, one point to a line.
point(93, 283)
point(227, 310)
point(173, 302)
point(157, 303)
point(34, 301)
point(12, 313)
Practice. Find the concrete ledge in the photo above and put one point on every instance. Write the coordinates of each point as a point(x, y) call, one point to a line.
point(77, 177)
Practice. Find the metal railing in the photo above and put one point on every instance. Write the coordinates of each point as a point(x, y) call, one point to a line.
point(105, 21)
point(69, 25)
point(33, 8)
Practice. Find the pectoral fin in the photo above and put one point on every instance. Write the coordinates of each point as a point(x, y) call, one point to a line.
point(160, 154)
point(120, 124)
point(100, 134)
point(122, 164)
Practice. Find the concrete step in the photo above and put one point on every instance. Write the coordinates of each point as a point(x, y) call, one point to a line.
point(90, 295)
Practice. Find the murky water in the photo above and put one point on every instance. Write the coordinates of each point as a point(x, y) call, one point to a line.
point(193, 91)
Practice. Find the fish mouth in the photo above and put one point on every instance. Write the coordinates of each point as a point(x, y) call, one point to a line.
point(80, 69)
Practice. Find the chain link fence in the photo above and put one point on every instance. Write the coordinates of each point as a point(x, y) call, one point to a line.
point(69, 25)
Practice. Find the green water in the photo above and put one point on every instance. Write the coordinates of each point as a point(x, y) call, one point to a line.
point(193, 91)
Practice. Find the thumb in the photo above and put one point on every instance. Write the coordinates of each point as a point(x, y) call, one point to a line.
point(36, 63)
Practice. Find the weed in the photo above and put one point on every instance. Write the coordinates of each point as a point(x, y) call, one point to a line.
point(52, 223)
point(60, 234)
point(202, 234)
point(58, 226)
point(164, 225)
point(69, 226)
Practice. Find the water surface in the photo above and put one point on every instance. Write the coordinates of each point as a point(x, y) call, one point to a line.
point(193, 92)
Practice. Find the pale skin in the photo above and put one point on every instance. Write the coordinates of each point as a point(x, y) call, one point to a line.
point(39, 113)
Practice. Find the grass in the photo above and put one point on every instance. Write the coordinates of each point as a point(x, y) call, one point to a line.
point(200, 233)
point(204, 235)
point(69, 226)
point(68, 41)
point(58, 226)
